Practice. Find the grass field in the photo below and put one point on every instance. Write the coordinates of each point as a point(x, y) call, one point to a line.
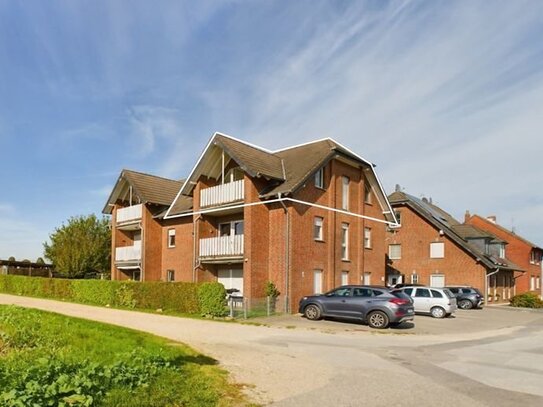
point(52, 360)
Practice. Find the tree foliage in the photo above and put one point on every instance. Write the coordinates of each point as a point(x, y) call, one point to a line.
point(80, 246)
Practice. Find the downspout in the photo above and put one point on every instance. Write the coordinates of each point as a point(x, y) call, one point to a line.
point(287, 251)
point(487, 283)
point(195, 248)
point(142, 250)
point(541, 278)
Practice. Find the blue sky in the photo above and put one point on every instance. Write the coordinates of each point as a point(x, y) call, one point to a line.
point(445, 97)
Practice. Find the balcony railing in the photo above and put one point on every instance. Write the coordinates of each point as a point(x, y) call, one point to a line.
point(223, 246)
point(128, 253)
point(222, 194)
point(129, 214)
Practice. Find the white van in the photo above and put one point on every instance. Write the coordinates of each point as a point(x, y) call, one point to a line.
point(438, 302)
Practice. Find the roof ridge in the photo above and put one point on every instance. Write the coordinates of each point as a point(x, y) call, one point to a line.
point(302, 144)
point(510, 232)
point(151, 175)
point(263, 149)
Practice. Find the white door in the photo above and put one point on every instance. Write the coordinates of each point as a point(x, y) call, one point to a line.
point(317, 281)
point(366, 280)
point(437, 280)
point(232, 278)
point(344, 278)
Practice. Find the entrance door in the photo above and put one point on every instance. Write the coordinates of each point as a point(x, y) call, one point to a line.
point(232, 278)
point(437, 280)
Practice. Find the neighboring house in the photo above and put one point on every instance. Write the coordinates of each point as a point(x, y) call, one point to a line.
point(431, 247)
point(308, 218)
point(524, 253)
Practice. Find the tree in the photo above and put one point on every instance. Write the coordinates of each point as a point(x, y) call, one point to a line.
point(11, 258)
point(81, 246)
point(40, 261)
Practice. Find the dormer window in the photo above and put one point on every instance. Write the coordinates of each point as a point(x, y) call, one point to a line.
point(502, 251)
point(234, 174)
point(319, 178)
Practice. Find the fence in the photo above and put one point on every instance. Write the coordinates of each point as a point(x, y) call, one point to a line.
point(246, 308)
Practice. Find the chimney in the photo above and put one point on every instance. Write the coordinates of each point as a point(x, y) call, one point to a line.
point(491, 218)
point(430, 200)
point(424, 199)
point(398, 188)
point(467, 215)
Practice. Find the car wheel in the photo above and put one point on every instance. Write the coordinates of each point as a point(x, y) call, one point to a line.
point(438, 312)
point(312, 312)
point(378, 320)
point(465, 304)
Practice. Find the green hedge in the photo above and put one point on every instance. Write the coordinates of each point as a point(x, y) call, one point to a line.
point(527, 300)
point(191, 298)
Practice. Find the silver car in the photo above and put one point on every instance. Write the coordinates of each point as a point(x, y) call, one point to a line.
point(438, 302)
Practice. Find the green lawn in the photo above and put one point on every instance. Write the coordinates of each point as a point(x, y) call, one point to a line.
point(48, 359)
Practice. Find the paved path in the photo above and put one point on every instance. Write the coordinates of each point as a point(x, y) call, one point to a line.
point(304, 367)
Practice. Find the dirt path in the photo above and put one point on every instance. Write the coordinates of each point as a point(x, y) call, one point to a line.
point(299, 367)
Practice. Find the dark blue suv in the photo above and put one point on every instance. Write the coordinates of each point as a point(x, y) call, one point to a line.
point(377, 306)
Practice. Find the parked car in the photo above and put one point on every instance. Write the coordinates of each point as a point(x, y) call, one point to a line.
point(401, 285)
point(438, 302)
point(467, 297)
point(377, 306)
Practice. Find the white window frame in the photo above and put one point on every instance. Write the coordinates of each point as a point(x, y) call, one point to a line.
point(437, 250)
point(344, 277)
point(317, 281)
point(345, 184)
point(414, 278)
point(367, 238)
point(170, 275)
point(318, 223)
point(440, 275)
point(502, 250)
point(344, 241)
point(532, 283)
point(319, 178)
point(366, 278)
point(398, 254)
point(171, 238)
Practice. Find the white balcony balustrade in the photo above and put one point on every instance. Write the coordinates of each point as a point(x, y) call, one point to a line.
point(223, 246)
point(129, 214)
point(128, 253)
point(222, 194)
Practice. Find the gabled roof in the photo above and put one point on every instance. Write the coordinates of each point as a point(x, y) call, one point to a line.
point(287, 170)
point(145, 187)
point(509, 232)
point(454, 230)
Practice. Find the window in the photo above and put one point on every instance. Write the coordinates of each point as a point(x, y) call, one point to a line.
point(345, 193)
point(317, 228)
point(437, 250)
point(171, 237)
point(436, 294)
point(367, 193)
point(398, 215)
point(170, 275)
point(367, 238)
point(408, 291)
point(395, 251)
point(414, 278)
point(136, 275)
point(535, 257)
point(340, 292)
point(532, 283)
point(231, 228)
point(502, 251)
point(345, 241)
point(344, 278)
point(422, 293)
point(317, 281)
point(362, 292)
point(319, 178)
point(537, 283)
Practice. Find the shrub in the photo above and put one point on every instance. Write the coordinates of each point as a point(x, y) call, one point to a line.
point(212, 299)
point(271, 290)
point(527, 300)
point(178, 297)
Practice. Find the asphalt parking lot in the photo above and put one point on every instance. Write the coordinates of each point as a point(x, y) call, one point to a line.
point(490, 318)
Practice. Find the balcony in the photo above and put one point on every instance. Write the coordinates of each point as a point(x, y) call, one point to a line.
point(129, 215)
point(223, 247)
point(128, 254)
point(222, 194)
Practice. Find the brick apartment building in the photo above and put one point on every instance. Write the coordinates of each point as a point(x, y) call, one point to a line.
point(524, 253)
point(432, 248)
point(308, 218)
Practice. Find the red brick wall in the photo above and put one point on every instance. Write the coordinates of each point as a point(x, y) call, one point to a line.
point(415, 236)
point(180, 257)
point(516, 250)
